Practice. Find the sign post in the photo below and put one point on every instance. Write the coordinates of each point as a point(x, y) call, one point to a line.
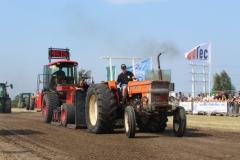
point(200, 57)
point(210, 70)
point(193, 80)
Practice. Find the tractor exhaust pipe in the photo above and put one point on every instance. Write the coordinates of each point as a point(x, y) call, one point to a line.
point(159, 67)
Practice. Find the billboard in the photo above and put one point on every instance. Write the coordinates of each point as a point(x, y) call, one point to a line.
point(200, 54)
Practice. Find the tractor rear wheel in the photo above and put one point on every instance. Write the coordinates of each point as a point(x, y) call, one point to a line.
point(8, 107)
point(50, 102)
point(130, 122)
point(67, 114)
point(100, 109)
point(179, 122)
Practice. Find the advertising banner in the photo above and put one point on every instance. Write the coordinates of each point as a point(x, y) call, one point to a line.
point(209, 107)
point(187, 106)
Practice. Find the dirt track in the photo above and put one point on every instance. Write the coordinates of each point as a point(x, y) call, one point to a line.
point(24, 136)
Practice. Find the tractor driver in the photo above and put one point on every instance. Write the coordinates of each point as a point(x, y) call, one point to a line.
point(58, 77)
point(123, 79)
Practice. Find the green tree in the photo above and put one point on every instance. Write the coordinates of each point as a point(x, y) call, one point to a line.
point(223, 82)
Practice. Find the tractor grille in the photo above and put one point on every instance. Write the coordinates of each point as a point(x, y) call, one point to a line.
point(160, 99)
point(159, 94)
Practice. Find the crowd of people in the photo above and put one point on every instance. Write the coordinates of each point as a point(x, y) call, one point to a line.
point(233, 101)
point(204, 97)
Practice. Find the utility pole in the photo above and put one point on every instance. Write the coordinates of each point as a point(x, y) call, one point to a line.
point(193, 80)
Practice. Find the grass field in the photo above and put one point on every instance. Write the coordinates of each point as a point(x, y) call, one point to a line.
point(214, 122)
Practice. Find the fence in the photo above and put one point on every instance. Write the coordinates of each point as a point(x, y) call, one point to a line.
point(211, 107)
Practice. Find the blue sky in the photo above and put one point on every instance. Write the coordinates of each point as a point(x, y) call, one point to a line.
point(95, 28)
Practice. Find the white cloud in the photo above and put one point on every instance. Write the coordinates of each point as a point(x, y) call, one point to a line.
point(131, 1)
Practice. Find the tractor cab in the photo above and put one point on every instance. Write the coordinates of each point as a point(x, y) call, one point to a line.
point(58, 76)
point(60, 73)
point(3, 90)
point(25, 101)
point(5, 101)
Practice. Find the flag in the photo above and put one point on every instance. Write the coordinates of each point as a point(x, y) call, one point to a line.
point(141, 68)
point(109, 74)
point(200, 53)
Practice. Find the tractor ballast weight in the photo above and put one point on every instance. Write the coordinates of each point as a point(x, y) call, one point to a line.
point(147, 106)
point(5, 100)
point(60, 100)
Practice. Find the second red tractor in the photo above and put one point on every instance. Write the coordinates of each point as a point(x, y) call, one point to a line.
point(61, 100)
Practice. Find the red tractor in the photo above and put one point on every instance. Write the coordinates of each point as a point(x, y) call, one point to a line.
point(61, 100)
point(147, 106)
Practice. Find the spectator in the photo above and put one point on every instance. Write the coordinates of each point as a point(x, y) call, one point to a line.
point(189, 98)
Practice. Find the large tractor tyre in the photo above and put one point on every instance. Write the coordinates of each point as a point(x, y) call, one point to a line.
point(179, 122)
point(130, 122)
point(67, 114)
point(50, 102)
point(80, 103)
point(8, 106)
point(157, 123)
point(100, 109)
point(32, 107)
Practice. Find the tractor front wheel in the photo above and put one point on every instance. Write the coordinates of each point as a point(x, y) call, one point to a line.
point(179, 122)
point(67, 114)
point(130, 122)
point(50, 102)
point(8, 107)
